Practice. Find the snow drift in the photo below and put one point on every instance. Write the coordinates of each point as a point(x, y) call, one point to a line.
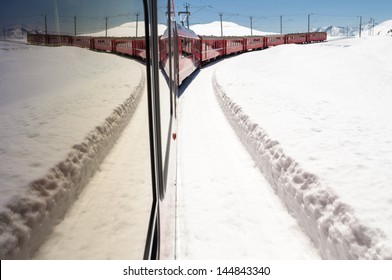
point(328, 221)
point(29, 217)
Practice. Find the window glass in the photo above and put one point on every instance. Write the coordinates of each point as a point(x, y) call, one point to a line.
point(74, 138)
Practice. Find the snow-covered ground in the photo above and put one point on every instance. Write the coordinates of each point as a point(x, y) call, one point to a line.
point(110, 218)
point(61, 111)
point(327, 123)
point(226, 208)
point(326, 109)
point(50, 98)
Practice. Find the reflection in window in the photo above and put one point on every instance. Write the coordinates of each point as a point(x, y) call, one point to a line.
point(75, 169)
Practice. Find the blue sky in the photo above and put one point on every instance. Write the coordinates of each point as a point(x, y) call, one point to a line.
point(266, 14)
point(60, 14)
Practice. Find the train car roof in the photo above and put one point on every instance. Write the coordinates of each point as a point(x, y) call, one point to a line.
point(206, 37)
point(275, 35)
point(183, 32)
point(211, 37)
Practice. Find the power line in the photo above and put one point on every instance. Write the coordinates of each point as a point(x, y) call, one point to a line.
point(186, 13)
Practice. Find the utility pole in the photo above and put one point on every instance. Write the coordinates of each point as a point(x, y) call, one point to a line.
point(308, 23)
point(106, 26)
point(360, 26)
point(251, 26)
point(187, 14)
point(221, 14)
point(46, 26)
point(75, 25)
point(371, 29)
point(137, 21)
point(281, 24)
point(4, 32)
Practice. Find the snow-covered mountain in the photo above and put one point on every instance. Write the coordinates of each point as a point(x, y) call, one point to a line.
point(338, 31)
point(128, 29)
point(233, 29)
point(382, 29)
point(229, 29)
point(18, 32)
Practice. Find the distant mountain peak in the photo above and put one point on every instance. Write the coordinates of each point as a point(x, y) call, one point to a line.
point(384, 28)
point(17, 32)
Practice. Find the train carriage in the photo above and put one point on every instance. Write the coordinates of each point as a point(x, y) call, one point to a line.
point(37, 39)
point(189, 57)
point(54, 40)
point(316, 37)
point(255, 43)
point(83, 42)
point(104, 44)
point(234, 45)
point(211, 48)
point(66, 40)
point(124, 46)
point(275, 40)
point(139, 48)
point(188, 46)
point(297, 38)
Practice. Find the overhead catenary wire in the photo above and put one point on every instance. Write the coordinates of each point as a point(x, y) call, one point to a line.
point(202, 12)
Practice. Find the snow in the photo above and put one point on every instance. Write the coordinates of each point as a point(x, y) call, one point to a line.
point(384, 28)
point(327, 136)
point(313, 118)
point(226, 208)
point(44, 117)
point(127, 30)
point(55, 131)
point(18, 32)
point(110, 218)
point(229, 29)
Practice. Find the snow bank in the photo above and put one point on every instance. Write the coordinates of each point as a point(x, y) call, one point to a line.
point(328, 221)
point(29, 217)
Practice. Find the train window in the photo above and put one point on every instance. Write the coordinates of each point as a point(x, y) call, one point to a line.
point(76, 122)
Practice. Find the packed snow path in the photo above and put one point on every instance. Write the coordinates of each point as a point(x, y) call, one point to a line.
point(226, 208)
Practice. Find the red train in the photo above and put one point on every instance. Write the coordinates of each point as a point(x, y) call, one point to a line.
point(193, 50)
